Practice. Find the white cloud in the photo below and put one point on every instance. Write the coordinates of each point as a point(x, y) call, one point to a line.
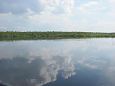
point(55, 13)
point(112, 1)
point(69, 6)
point(111, 10)
point(62, 15)
point(58, 21)
point(91, 7)
point(58, 6)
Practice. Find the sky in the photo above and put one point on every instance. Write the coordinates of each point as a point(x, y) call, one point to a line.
point(57, 15)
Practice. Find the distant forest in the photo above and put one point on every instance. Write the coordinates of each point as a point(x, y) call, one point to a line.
point(52, 35)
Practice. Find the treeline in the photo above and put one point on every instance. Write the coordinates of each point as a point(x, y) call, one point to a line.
point(52, 35)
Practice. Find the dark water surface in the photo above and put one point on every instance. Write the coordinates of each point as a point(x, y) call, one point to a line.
point(73, 62)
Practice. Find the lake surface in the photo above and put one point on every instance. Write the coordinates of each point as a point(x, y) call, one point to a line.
point(69, 62)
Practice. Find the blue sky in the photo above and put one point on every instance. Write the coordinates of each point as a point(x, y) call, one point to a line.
point(57, 15)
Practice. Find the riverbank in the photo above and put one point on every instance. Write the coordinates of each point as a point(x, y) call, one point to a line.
point(52, 35)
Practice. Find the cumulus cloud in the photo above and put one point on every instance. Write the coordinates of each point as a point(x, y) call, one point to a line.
point(39, 13)
point(57, 15)
point(56, 12)
point(20, 6)
point(58, 6)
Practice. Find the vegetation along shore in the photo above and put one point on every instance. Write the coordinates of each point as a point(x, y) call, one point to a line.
point(52, 35)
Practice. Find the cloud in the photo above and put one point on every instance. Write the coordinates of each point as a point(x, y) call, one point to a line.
point(19, 6)
point(57, 22)
point(36, 68)
point(58, 6)
point(111, 10)
point(37, 72)
point(57, 15)
point(91, 7)
point(112, 1)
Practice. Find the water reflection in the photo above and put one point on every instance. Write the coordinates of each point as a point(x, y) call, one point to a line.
point(36, 71)
point(88, 62)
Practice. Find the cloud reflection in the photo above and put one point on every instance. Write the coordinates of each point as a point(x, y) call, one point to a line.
point(36, 63)
point(35, 71)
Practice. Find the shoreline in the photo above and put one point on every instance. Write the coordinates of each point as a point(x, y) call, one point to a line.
point(52, 35)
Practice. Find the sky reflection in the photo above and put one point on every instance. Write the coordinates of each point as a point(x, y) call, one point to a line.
point(79, 62)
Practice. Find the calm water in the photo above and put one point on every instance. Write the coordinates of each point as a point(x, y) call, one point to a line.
point(73, 62)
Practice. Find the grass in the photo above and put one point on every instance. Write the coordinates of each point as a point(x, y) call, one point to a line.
point(52, 35)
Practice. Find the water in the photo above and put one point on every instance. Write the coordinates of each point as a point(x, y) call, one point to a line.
point(69, 62)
